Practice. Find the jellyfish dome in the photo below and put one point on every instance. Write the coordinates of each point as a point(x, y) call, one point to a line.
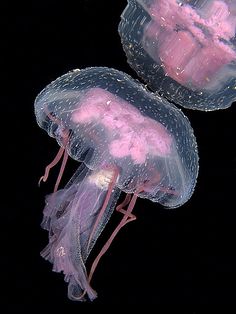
point(184, 50)
point(127, 139)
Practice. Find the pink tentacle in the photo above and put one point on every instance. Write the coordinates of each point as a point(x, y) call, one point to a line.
point(63, 165)
point(124, 203)
point(128, 217)
point(52, 164)
point(61, 152)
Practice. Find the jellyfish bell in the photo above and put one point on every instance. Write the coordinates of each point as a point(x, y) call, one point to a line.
point(127, 139)
point(184, 50)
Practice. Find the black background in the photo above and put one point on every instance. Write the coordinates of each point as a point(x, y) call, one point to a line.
point(183, 257)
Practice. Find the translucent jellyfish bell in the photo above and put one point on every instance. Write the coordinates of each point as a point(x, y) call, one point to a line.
point(127, 139)
point(185, 50)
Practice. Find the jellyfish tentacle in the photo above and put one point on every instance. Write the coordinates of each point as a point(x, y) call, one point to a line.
point(120, 207)
point(62, 152)
point(63, 165)
point(126, 219)
point(124, 212)
point(125, 202)
point(51, 165)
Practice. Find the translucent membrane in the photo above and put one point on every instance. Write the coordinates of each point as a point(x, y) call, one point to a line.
point(184, 50)
point(112, 120)
point(127, 139)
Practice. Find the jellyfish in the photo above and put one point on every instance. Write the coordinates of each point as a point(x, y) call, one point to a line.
point(127, 140)
point(184, 50)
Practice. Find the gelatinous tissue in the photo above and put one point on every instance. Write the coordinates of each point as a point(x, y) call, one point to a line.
point(127, 140)
point(184, 50)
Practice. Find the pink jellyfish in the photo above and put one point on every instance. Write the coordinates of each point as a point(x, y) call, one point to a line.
point(126, 139)
point(186, 50)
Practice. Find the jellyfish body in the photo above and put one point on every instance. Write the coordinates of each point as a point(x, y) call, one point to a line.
point(127, 139)
point(185, 50)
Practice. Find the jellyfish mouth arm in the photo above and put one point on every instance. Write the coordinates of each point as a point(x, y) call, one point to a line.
point(73, 216)
point(104, 179)
point(61, 252)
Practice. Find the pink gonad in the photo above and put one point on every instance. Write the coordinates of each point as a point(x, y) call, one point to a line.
point(126, 139)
